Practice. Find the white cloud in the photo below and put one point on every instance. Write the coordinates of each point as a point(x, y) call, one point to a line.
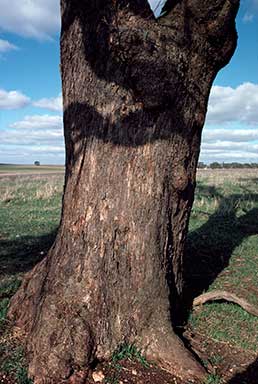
point(36, 122)
point(13, 99)
point(231, 131)
point(6, 46)
point(38, 136)
point(30, 18)
point(225, 156)
point(16, 99)
point(52, 104)
point(233, 135)
point(228, 104)
point(230, 146)
point(47, 138)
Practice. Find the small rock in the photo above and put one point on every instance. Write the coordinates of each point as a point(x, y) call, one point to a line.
point(134, 372)
point(98, 376)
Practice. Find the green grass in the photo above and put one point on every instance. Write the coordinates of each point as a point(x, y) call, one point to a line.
point(125, 351)
point(223, 254)
point(29, 215)
point(8, 286)
point(213, 379)
point(222, 251)
point(129, 352)
point(14, 364)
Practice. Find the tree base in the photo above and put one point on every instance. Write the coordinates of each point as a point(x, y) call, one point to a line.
point(63, 350)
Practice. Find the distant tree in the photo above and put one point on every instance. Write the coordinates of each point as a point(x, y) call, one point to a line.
point(215, 165)
point(201, 165)
point(37, 163)
point(135, 95)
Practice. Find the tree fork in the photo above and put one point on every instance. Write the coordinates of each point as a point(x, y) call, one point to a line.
point(135, 93)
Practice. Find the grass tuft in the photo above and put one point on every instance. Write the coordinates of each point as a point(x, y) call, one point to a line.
point(129, 352)
point(213, 379)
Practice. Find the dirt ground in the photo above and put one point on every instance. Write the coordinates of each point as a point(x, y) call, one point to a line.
point(224, 364)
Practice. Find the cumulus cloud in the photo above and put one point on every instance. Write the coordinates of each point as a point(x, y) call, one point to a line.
point(47, 138)
point(37, 19)
point(38, 122)
point(13, 99)
point(233, 135)
point(225, 156)
point(35, 135)
point(16, 99)
point(52, 104)
point(6, 46)
point(228, 104)
point(230, 146)
point(231, 130)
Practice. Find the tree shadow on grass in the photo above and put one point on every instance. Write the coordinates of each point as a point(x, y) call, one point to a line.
point(249, 376)
point(20, 255)
point(210, 247)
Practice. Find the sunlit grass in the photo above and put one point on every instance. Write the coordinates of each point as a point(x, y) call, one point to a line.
point(224, 233)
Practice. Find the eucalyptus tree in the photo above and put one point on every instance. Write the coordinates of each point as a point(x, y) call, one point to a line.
point(135, 91)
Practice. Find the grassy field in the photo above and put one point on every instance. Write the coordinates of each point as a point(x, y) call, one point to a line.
point(13, 169)
point(223, 240)
point(29, 215)
point(222, 253)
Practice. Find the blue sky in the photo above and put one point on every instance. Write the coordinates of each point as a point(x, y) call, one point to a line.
point(30, 88)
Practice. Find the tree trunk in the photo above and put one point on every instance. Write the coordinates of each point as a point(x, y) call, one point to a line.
point(135, 95)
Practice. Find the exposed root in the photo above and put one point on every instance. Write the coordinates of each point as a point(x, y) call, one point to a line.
point(227, 296)
point(169, 352)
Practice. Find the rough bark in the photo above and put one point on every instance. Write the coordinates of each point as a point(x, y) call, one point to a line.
point(135, 95)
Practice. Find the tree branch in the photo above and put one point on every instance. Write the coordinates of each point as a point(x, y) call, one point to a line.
point(215, 14)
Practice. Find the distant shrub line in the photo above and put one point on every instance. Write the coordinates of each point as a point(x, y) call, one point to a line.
point(216, 165)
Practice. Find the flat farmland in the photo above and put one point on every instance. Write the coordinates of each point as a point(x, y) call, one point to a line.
point(17, 170)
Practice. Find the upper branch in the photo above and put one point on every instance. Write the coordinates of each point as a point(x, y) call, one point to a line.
point(208, 26)
point(203, 11)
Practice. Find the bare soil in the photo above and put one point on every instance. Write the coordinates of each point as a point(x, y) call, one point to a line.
point(231, 365)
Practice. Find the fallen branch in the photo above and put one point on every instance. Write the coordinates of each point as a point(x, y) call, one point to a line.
point(227, 296)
